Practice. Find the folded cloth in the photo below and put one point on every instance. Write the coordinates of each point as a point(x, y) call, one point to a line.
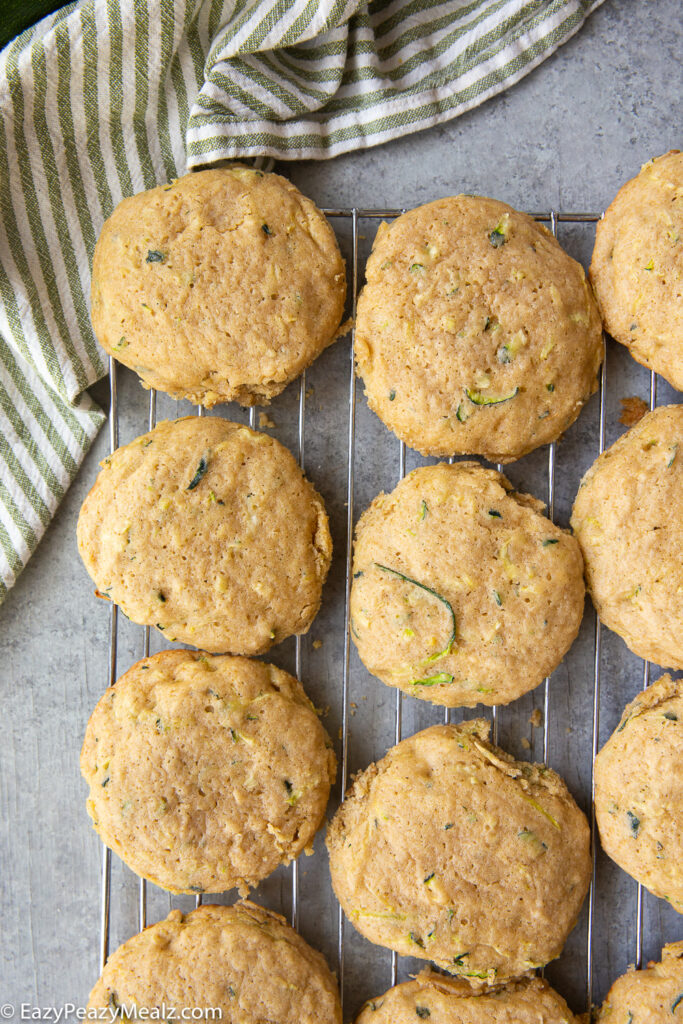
point(109, 97)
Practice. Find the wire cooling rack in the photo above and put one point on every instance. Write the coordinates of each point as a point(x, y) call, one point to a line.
point(579, 961)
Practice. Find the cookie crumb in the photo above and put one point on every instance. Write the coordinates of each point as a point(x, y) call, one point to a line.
point(264, 420)
point(525, 743)
point(536, 718)
point(632, 410)
point(317, 644)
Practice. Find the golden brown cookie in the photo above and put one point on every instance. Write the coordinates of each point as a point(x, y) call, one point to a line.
point(242, 960)
point(209, 531)
point(637, 266)
point(650, 996)
point(628, 520)
point(476, 333)
point(222, 285)
point(639, 791)
point(451, 851)
point(463, 592)
point(206, 772)
point(431, 996)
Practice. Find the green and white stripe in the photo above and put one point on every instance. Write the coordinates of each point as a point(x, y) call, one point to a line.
point(109, 97)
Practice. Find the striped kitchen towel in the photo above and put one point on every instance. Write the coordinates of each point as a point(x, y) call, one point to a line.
point(109, 97)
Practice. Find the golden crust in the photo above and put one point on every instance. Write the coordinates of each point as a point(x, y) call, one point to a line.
point(243, 960)
point(650, 996)
point(476, 333)
point(448, 1001)
point(223, 285)
point(206, 772)
point(639, 790)
point(456, 542)
point(209, 531)
point(626, 518)
point(637, 266)
point(449, 850)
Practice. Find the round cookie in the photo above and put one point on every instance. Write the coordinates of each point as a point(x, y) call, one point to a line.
point(206, 772)
point(463, 593)
point(432, 996)
point(650, 996)
point(639, 791)
point(637, 270)
point(210, 532)
point(242, 960)
point(476, 333)
point(222, 285)
point(627, 519)
point(449, 850)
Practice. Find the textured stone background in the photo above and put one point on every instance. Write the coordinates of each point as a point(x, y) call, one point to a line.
point(566, 137)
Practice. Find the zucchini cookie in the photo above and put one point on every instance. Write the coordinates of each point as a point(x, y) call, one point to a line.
point(651, 996)
point(432, 996)
point(476, 333)
point(463, 592)
point(210, 532)
point(223, 285)
point(450, 850)
point(639, 791)
point(637, 271)
point(626, 518)
point(242, 960)
point(206, 772)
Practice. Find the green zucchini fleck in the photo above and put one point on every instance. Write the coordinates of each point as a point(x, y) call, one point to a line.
point(199, 474)
point(677, 1002)
point(105, 781)
point(161, 596)
point(195, 888)
point(463, 413)
point(650, 265)
point(154, 256)
point(503, 354)
point(266, 230)
point(417, 940)
point(634, 823)
point(633, 327)
point(497, 238)
point(550, 387)
point(478, 398)
point(529, 836)
point(121, 343)
point(549, 541)
point(497, 598)
point(670, 716)
point(495, 514)
point(159, 725)
point(358, 574)
point(449, 824)
point(439, 597)
point(416, 267)
point(439, 679)
point(423, 1012)
point(429, 877)
point(392, 395)
point(423, 510)
point(288, 786)
point(673, 449)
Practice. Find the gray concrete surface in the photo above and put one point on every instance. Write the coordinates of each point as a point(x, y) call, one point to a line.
point(565, 137)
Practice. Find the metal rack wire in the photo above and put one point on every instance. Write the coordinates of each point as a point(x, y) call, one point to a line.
point(353, 216)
